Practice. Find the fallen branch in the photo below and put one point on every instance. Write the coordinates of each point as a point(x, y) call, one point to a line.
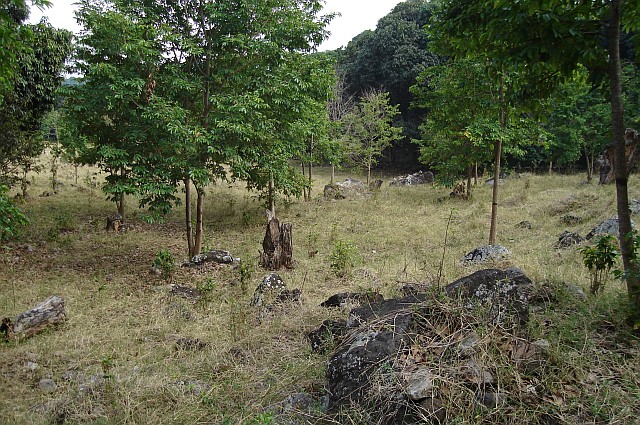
point(48, 313)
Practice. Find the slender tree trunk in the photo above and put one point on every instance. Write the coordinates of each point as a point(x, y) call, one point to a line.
point(187, 210)
point(550, 167)
point(271, 196)
point(622, 195)
point(120, 204)
point(304, 188)
point(333, 173)
point(368, 174)
point(589, 165)
point(469, 173)
point(310, 184)
point(497, 153)
point(475, 174)
point(197, 243)
point(24, 183)
point(75, 169)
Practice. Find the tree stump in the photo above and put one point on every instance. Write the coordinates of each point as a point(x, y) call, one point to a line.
point(277, 246)
point(115, 222)
point(607, 162)
point(48, 313)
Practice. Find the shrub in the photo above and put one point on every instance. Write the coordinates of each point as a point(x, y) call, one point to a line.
point(343, 258)
point(164, 262)
point(599, 259)
point(10, 217)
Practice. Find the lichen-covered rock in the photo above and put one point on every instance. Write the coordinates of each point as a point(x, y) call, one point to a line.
point(504, 291)
point(351, 299)
point(329, 333)
point(606, 227)
point(215, 255)
point(486, 253)
point(568, 239)
point(271, 287)
point(414, 179)
point(347, 188)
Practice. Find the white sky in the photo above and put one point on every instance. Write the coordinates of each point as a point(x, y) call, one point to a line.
point(356, 16)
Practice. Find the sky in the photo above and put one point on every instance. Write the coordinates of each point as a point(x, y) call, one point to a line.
point(356, 17)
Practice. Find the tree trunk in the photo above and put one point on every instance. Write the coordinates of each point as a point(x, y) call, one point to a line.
point(271, 196)
point(550, 167)
point(475, 174)
point(469, 173)
point(49, 312)
point(120, 203)
point(277, 246)
point(197, 243)
point(589, 159)
point(368, 175)
point(304, 188)
point(622, 195)
point(187, 210)
point(310, 184)
point(333, 173)
point(497, 153)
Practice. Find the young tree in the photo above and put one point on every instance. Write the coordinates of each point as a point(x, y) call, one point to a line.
point(369, 129)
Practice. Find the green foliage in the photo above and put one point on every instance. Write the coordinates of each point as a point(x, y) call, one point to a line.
point(34, 81)
point(10, 217)
point(246, 273)
point(165, 262)
point(599, 259)
point(344, 258)
point(368, 129)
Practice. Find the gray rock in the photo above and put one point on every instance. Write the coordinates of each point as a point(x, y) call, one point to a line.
point(568, 239)
point(606, 227)
point(346, 189)
point(413, 179)
point(634, 206)
point(31, 366)
point(524, 225)
point(486, 253)
point(47, 385)
point(351, 299)
point(505, 292)
point(268, 290)
point(571, 220)
point(326, 335)
point(185, 292)
point(215, 255)
point(419, 383)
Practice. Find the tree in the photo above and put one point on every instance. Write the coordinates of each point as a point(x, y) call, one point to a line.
point(35, 81)
point(222, 83)
point(389, 59)
point(369, 130)
point(15, 37)
point(548, 40)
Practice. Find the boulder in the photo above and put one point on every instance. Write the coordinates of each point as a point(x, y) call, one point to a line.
point(414, 179)
point(327, 335)
point(215, 255)
point(568, 239)
point(485, 253)
point(268, 290)
point(346, 189)
point(398, 357)
point(606, 227)
point(351, 299)
point(505, 292)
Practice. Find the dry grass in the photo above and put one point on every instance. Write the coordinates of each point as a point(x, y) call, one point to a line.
point(115, 360)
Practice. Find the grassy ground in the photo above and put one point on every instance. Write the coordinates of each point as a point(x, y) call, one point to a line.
point(115, 359)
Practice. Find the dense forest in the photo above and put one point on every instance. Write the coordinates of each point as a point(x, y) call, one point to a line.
point(185, 122)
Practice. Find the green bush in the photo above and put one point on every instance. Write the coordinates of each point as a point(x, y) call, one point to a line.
point(10, 217)
point(165, 262)
point(344, 258)
point(599, 259)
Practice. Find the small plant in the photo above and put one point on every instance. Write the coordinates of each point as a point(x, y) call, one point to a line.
point(312, 244)
point(599, 259)
point(343, 258)
point(207, 286)
point(10, 217)
point(164, 262)
point(246, 272)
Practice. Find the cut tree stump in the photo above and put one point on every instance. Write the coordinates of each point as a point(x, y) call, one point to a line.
point(607, 162)
point(115, 222)
point(277, 246)
point(48, 313)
